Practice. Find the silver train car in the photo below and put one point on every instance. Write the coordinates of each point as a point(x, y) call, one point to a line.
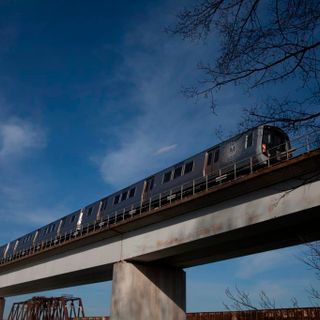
point(251, 149)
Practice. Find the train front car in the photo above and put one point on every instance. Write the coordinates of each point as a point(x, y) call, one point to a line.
point(233, 156)
point(274, 144)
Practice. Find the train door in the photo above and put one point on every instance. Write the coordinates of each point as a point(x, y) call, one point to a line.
point(15, 247)
point(6, 250)
point(148, 186)
point(212, 159)
point(79, 222)
point(98, 216)
point(61, 224)
point(35, 238)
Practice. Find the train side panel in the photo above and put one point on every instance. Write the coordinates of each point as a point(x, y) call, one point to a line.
point(26, 242)
point(47, 233)
point(238, 150)
point(11, 250)
point(124, 200)
point(178, 174)
point(90, 213)
point(69, 223)
point(2, 251)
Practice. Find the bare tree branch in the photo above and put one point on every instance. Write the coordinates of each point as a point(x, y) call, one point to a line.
point(312, 260)
point(262, 43)
point(240, 300)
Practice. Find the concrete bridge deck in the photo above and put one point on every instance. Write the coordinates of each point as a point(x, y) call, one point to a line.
point(274, 207)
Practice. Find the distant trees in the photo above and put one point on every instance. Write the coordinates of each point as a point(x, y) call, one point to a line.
point(272, 44)
point(312, 260)
point(239, 299)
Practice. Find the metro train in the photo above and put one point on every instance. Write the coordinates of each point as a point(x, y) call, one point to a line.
point(253, 148)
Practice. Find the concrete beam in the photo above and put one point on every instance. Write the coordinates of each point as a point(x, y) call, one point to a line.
point(2, 305)
point(144, 292)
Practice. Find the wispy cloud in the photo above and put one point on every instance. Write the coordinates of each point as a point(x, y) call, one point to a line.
point(20, 188)
point(166, 149)
point(256, 264)
point(25, 205)
point(18, 137)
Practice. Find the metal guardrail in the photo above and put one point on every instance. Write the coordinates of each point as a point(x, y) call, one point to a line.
point(300, 145)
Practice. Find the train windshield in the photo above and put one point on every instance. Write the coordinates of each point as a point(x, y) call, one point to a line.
point(274, 140)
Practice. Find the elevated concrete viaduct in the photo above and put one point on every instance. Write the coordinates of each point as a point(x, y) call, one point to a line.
point(274, 207)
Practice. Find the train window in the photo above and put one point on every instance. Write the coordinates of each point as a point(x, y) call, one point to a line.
point(188, 167)
point(266, 136)
point(177, 172)
point(216, 156)
point(209, 160)
point(105, 202)
point(167, 177)
point(151, 183)
point(124, 195)
point(116, 199)
point(89, 211)
point(132, 192)
point(248, 142)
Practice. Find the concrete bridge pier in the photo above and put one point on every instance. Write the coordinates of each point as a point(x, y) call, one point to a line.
point(144, 292)
point(2, 305)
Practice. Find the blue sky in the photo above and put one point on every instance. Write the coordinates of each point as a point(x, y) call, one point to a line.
point(90, 102)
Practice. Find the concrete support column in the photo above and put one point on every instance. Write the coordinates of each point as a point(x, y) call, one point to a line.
point(2, 304)
point(144, 292)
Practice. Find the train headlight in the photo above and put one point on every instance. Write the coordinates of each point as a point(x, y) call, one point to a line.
point(264, 148)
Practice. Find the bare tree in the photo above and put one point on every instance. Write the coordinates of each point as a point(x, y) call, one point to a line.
point(312, 260)
point(240, 300)
point(272, 44)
